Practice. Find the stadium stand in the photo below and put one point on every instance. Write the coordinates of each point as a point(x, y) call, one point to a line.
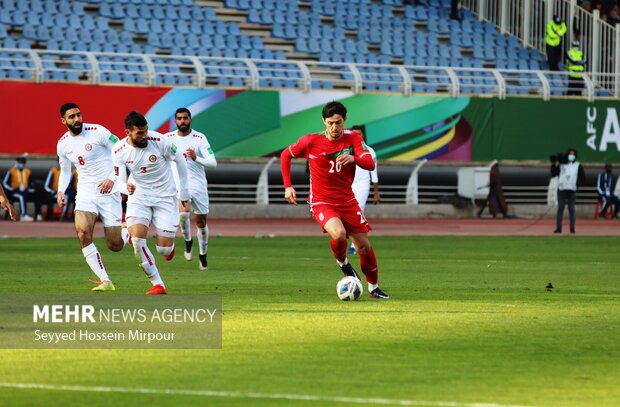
point(378, 37)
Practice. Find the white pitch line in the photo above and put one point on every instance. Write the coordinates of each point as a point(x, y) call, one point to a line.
point(236, 394)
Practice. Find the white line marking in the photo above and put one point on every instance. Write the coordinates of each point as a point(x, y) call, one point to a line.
point(236, 394)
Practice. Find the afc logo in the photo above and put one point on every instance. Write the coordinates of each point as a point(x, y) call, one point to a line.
point(88, 147)
point(152, 158)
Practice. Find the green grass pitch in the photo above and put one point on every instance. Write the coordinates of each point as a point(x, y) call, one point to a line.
point(470, 322)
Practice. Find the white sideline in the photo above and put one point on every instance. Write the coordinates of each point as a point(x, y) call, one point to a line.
point(235, 394)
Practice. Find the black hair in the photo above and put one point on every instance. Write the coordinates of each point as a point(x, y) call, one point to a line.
point(333, 108)
point(360, 128)
point(183, 110)
point(572, 149)
point(67, 106)
point(134, 119)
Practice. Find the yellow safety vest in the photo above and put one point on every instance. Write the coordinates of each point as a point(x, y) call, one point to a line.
point(575, 69)
point(555, 33)
point(56, 177)
point(19, 177)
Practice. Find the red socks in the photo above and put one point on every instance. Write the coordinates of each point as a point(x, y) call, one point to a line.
point(368, 263)
point(339, 249)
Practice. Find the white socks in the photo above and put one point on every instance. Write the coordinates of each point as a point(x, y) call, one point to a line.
point(372, 287)
point(125, 235)
point(346, 261)
point(203, 239)
point(93, 258)
point(146, 259)
point(186, 228)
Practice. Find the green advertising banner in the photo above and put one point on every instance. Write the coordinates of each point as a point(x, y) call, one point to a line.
point(531, 129)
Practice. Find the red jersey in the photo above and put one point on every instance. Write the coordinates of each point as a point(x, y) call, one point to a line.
point(330, 182)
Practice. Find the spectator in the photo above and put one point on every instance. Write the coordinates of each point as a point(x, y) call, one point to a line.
point(556, 29)
point(571, 176)
point(606, 186)
point(49, 193)
point(575, 64)
point(454, 10)
point(496, 199)
point(614, 17)
point(16, 184)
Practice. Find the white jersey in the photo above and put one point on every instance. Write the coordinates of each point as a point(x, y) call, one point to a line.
point(204, 158)
point(364, 177)
point(91, 154)
point(150, 166)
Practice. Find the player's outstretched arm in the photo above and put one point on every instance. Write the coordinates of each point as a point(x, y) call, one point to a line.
point(208, 158)
point(376, 196)
point(285, 167)
point(64, 179)
point(183, 182)
point(121, 175)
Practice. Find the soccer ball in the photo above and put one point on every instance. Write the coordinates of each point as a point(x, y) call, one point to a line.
point(349, 289)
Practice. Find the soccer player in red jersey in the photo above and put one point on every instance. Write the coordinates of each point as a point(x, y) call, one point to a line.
point(333, 155)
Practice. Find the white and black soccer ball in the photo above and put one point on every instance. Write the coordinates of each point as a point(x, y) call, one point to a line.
point(349, 289)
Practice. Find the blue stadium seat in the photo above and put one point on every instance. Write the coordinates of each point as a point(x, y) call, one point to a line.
point(142, 27)
point(210, 14)
point(101, 23)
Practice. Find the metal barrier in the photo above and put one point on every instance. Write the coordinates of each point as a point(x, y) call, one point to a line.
point(527, 20)
point(191, 71)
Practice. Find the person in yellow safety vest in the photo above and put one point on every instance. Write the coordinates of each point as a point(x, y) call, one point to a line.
point(48, 196)
point(556, 29)
point(16, 184)
point(575, 63)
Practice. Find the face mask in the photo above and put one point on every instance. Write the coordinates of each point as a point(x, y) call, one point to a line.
point(571, 158)
point(20, 166)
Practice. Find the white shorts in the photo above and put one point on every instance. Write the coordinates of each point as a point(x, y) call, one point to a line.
point(109, 207)
point(200, 202)
point(361, 194)
point(163, 212)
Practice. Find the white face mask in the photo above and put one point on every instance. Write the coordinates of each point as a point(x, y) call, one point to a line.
point(571, 157)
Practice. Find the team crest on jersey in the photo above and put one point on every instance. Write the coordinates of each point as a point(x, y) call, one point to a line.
point(88, 147)
point(152, 158)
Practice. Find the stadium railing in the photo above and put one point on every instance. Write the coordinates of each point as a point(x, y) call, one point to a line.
point(527, 19)
point(42, 66)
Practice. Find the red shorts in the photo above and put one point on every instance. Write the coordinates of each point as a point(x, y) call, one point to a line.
point(351, 216)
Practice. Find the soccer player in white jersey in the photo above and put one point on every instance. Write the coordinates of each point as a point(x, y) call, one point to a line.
point(152, 192)
point(199, 155)
point(89, 148)
point(362, 180)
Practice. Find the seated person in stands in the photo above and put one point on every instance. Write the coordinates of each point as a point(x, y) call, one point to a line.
point(16, 184)
point(50, 191)
point(606, 185)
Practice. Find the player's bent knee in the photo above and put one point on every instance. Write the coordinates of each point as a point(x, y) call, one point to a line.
point(115, 246)
point(338, 235)
point(85, 238)
point(363, 249)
